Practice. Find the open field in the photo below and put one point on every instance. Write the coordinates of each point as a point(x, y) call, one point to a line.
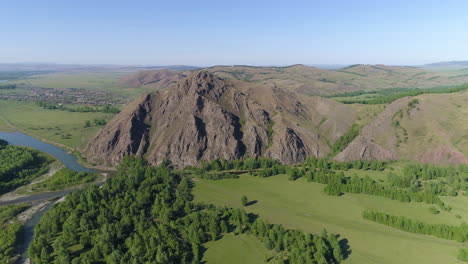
point(58, 126)
point(231, 249)
point(302, 205)
point(107, 81)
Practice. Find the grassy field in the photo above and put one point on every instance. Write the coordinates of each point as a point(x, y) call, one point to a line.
point(108, 81)
point(304, 206)
point(231, 249)
point(62, 127)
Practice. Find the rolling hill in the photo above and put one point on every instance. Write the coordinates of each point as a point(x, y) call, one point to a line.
point(313, 81)
point(205, 117)
point(427, 128)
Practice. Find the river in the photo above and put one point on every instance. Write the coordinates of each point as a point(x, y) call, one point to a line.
point(20, 139)
point(69, 160)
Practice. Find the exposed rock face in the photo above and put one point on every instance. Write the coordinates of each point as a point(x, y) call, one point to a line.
point(370, 145)
point(205, 117)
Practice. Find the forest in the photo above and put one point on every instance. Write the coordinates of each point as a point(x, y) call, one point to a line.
point(63, 178)
point(146, 214)
point(9, 232)
point(19, 165)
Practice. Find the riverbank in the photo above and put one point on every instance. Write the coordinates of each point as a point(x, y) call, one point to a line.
point(7, 126)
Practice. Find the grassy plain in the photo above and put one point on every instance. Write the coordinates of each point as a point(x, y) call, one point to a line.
point(62, 127)
point(302, 205)
point(107, 81)
point(231, 249)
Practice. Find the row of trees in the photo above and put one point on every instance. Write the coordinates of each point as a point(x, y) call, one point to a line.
point(247, 164)
point(145, 215)
point(389, 95)
point(457, 233)
point(338, 183)
point(63, 178)
point(96, 122)
point(81, 109)
point(7, 86)
point(19, 165)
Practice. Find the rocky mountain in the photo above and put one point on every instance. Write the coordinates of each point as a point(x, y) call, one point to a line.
point(204, 117)
point(429, 128)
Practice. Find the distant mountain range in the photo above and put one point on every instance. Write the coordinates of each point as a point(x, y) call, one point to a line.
point(310, 80)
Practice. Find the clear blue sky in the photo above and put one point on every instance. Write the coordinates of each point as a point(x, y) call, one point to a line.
point(234, 32)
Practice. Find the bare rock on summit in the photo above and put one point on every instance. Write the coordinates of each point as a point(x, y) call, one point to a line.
point(204, 117)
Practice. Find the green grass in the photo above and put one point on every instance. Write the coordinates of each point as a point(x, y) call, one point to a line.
point(231, 249)
point(304, 206)
point(108, 81)
point(61, 127)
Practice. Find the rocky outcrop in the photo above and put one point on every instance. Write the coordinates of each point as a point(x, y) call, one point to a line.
point(204, 117)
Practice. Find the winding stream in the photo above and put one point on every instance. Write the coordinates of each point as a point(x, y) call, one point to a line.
point(69, 160)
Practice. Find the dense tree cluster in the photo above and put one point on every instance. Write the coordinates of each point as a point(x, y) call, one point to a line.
point(145, 215)
point(63, 178)
point(19, 165)
point(457, 233)
point(433, 179)
point(344, 140)
point(9, 232)
point(389, 95)
point(244, 165)
point(301, 248)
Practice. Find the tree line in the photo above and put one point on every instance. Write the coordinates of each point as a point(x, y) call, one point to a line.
point(449, 232)
point(392, 94)
point(63, 178)
point(81, 109)
point(146, 214)
point(8, 87)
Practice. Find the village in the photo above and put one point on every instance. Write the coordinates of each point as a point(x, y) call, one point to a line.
point(63, 96)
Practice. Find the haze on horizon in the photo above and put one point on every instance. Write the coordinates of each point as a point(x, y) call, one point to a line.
point(241, 32)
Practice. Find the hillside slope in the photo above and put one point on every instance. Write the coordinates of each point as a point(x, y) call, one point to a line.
point(154, 78)
point(314, 81)
point(428, 128)
point(205, 117)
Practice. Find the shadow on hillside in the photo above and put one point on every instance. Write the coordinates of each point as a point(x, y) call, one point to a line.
point(344, 245)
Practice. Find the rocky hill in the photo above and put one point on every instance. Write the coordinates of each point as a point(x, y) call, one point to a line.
point(204, 117)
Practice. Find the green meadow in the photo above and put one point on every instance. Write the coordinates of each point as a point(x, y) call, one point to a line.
point(242, 248)
point(62, 127)
point(303, 205)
